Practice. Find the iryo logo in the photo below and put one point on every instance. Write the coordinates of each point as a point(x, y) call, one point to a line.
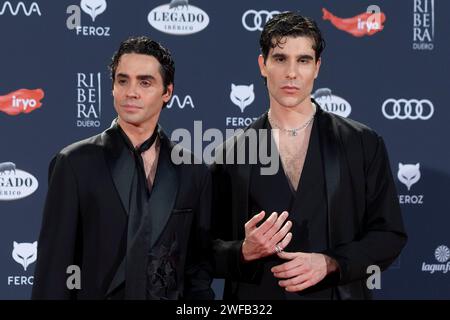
point(21, 101)
point(364, 24)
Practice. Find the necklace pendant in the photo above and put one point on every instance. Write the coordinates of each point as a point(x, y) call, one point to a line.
point(293, 132)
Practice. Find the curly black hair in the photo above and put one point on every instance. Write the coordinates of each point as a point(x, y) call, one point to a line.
point(290, 24)
point(145, 45)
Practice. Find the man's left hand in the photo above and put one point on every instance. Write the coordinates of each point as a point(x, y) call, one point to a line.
point(303, 270)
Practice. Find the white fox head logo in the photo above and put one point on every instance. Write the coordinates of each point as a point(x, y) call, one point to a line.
point(242, 96)
point(93, 7)
point(25, 253)
point(408, 174)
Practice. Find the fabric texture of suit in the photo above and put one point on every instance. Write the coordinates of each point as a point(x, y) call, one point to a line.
point(85, 224)
point(365, 226)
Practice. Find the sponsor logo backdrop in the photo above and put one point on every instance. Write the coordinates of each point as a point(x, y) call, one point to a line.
point(386, 64)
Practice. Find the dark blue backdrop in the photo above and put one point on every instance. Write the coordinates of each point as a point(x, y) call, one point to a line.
point(391, 77)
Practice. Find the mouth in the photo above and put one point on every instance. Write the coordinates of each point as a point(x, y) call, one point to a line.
point(130, 107)
point(290, 89)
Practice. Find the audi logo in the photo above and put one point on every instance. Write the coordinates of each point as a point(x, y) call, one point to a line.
point(412, 109)
point(257, 22)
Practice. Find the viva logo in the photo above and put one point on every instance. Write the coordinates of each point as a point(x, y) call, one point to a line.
point(21, 101)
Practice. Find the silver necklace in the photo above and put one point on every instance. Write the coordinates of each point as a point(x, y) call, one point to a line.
point(293, 132)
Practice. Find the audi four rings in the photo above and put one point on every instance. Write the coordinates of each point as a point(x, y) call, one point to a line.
point(259, 19)
point(412, 109)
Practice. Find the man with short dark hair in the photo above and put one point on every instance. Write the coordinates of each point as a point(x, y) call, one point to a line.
point(312, 229)
point(134, 223)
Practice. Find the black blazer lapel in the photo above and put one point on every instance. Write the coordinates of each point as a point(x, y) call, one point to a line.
point(164, 191)
point(162, 200)
point(119, 278)
point(243, 171)
point(121, 164)
point(329, 143)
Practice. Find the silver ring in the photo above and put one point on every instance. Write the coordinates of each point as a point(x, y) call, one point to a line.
point(278, 248)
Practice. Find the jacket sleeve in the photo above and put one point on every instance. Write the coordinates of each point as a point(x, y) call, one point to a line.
point(227, 248)
point(57, 243)
point(199, 273)
point(382, 235)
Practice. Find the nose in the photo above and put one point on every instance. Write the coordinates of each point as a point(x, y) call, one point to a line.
point(291, 72)
point(132, 91)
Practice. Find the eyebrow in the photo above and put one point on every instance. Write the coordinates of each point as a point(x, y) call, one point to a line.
point(140, 77)
point(301, 56)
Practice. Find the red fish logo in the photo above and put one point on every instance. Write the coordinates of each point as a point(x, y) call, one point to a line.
point(364, 24)
point(21, 101)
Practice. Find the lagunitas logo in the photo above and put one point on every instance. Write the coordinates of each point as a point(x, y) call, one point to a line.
point(21, 101)
point(14, 183)
point(423, 28)
point(92, 8)
point(89, 99)
point(364, 24)
point(331, 103)
point(178, 18)
point(442, 255)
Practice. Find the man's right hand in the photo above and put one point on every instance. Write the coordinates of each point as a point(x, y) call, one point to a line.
point(261, 241)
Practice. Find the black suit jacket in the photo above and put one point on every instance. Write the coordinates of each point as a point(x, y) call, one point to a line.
point(85, 224)
point(364, 218)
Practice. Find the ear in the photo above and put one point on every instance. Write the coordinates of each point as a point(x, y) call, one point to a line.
point(317, 68)
point(168, 94)
point(15, 244)
point(262, 66)
point(400, 165)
